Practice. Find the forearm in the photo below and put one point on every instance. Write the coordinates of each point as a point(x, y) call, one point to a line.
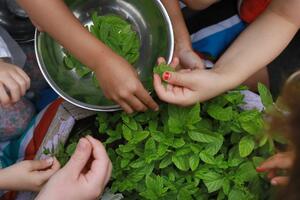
point(55, 18)
point(182, 36)
point(256, 47)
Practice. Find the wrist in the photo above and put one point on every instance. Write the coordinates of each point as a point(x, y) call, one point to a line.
point(228, 79)
point(4, 179)
point(183, 45)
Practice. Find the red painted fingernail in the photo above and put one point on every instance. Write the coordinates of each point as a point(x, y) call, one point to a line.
point(166, 76)
point(259, 169)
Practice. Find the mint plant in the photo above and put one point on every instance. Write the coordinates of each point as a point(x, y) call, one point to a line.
point(206, 151)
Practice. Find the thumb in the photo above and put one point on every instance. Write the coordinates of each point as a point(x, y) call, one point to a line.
point(182, 79)
point(80, 157)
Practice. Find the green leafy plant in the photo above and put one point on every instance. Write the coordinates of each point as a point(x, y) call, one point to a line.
point(161, 69)
point(117, 34)
point(207, 151)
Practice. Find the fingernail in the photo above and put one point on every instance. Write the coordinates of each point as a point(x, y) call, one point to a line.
point(81, 145)
point(166, 76)
point(259, 169)
point(273, 182)
point(50, 161)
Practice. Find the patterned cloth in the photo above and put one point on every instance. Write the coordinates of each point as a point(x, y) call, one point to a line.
point(15, 119)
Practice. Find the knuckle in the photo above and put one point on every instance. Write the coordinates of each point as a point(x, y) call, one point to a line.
point(27, 164)
point(124, 94)
point(15, 87)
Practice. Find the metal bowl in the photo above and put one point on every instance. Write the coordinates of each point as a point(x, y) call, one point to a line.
point(149, 18)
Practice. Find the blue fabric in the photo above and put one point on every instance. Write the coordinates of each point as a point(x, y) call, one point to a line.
point(214, 45)
point(46, 96)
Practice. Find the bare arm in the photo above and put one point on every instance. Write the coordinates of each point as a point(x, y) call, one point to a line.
point(260, 43)
point(55, 18)
point(257, 46)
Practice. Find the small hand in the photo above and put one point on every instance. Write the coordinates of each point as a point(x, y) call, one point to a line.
point(120, 83)
point(187, 87)
point(13, 83)
point(84, 177)
point(189, 59)
point(280, 161)
point(28, 175)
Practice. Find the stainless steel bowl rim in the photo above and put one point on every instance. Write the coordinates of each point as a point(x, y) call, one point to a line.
point(80, 104)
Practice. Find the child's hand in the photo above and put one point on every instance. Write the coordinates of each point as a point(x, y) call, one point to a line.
point(84, 177)
point(280, 161)
point(188, 58)
point(13, 83)
point(187, 87)
point(120, 83)
point(28, 175)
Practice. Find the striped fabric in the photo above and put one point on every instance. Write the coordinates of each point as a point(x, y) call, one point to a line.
point(26, 147)
point(215, 39)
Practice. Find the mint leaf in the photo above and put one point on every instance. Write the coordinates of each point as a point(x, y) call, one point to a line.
point(214, 185)
point(162, 68)
point(181, 162)
point(194, 162)
point(265, 95)
point(246, 146)
point(219, 113)
point(236, 195)
point(200, 137)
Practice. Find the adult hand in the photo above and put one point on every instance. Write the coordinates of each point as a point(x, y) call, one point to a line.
point(83, 177)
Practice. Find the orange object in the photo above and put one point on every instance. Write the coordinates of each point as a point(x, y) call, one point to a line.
point(251, 9)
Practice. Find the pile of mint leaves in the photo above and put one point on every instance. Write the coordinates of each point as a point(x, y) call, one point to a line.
point(206, 151)
point(116, 33)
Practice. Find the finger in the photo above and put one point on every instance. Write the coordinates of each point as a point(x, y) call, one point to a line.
point(145, 97)
point(80, 158)
point(4, 98)
point(14, 89)
point(108, 175)
point(280, 180)
point(178, 78)
point(160, 90)
point(175, 62)
point(279, 161)
point(100, 166)
point(272, 173)
point(45, 175)
point(136, 104)
point(125, 107)
point(25, 76)
point(22, 83)
point(35, 165)
point(161, 60)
